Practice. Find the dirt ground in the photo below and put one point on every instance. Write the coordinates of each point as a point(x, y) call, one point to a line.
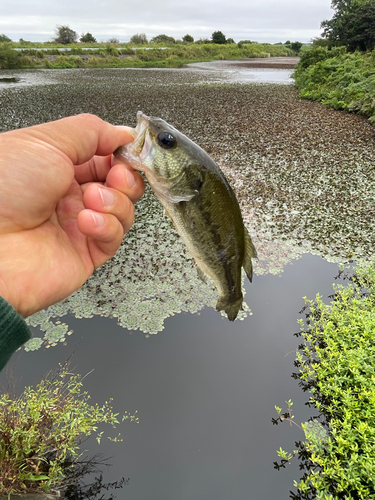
point(268, 62)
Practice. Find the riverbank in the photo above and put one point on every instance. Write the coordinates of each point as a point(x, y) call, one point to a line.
point(338, 79)
point(127, 57)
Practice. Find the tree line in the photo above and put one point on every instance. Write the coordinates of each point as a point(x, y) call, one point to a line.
point(65, 35)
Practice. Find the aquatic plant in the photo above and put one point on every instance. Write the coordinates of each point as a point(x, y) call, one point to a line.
point(40, 432)
point(335, 364)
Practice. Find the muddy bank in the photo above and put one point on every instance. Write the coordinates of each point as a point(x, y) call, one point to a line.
point(269, 62)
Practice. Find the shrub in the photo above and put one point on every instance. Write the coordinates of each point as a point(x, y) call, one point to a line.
point(9, 59)
point(338, 79)
point(40, 432)
point(111, 50)
point(336, 365)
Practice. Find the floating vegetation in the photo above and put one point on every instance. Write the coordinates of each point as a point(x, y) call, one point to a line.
point(303, 174)
point(150, 278)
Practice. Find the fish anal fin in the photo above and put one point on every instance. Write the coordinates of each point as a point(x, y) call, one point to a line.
point(249, 253)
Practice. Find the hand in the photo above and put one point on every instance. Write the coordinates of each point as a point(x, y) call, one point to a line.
point(58, 221)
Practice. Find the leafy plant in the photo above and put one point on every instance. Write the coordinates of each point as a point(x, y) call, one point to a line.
point(336, 365)
point(338, 79)
point(40, 432)
point(9, 59)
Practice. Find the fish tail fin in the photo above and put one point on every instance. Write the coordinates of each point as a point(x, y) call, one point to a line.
point(231, 308)
point(249, 253)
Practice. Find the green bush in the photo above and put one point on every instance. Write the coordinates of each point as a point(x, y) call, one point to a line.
point(9, 58)
point(40, 432)
point(336, 364)
point(338, 79)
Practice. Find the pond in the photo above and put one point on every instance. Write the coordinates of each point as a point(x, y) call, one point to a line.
point(205, 388)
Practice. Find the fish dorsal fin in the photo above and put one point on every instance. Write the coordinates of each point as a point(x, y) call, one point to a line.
point(249, 253)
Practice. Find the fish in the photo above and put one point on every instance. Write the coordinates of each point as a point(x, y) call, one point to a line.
point(202, 205)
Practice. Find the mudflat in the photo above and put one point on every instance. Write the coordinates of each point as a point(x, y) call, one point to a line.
point(266, 62)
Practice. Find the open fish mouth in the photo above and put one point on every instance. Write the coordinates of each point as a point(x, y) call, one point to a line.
point(135, 152)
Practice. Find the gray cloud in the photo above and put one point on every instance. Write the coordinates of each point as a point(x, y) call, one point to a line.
point(266, 20)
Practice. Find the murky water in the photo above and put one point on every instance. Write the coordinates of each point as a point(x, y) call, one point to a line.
point(204, 388)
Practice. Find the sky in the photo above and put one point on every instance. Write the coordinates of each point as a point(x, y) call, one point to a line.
point(269, 21)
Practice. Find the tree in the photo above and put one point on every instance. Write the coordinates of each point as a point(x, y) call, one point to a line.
point(87, 38)
point(352, 25)
point(202, 41)
point(230, 40)
point(4, 38)
point(113, 40)
point(218, 37)
point(139, 39)
point(296, 46)
point(65, 35)
point(163, 39)
point(360, 28)
point(188, 39)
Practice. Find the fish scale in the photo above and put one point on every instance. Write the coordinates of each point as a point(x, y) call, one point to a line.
point(199, 200)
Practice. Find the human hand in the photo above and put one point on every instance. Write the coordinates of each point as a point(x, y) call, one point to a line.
point(58, 222)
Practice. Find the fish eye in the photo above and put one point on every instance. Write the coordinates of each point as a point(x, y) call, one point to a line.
point(166, 140)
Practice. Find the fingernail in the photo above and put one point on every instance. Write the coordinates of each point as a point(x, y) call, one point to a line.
point(130, 178)
point(98, 219)
point(107, 197)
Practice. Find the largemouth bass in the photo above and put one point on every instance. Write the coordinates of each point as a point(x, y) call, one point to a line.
point(199, 200)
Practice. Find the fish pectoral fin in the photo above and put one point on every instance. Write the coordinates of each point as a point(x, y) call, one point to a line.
point(249, 253)
point(201, 275)
point(186, 185)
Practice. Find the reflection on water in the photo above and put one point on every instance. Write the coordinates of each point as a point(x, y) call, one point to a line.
point(204, 389)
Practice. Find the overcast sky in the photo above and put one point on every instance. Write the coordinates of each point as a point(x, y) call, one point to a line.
point(261, 20)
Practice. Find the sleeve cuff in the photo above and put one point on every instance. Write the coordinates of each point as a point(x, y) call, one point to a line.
point(14, 331)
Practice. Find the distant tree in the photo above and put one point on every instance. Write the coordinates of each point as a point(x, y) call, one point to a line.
point(288, 42)
point(139, 39)
point(296, 46)
point(230, 40)
point(113, 40)
point(188, 39)
point(218, 37)
point(65, 35)
point(163, 39)
point(4, 38)
point(202, 41)
point(87, 38)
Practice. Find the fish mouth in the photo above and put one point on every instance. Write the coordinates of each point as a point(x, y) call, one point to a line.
point(135, 152)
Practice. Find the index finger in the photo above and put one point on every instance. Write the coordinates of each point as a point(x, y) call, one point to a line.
point(82, 136)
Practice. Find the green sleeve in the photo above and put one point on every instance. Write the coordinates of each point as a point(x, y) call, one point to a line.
point(13, 331)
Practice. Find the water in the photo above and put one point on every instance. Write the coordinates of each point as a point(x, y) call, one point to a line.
point(205, 388)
